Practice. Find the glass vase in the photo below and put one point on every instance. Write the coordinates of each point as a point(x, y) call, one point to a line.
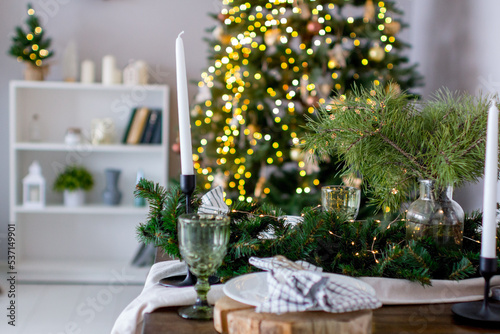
point(436, 215)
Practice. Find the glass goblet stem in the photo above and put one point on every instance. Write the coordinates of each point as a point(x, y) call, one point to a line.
point(202, 287)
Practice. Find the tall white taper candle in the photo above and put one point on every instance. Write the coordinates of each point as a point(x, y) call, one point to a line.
point(183, 108)
point(488, 240)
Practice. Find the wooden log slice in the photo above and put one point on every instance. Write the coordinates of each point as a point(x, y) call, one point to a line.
point(236, 318)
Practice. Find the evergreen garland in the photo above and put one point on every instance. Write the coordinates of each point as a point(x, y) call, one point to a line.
point(361, 248)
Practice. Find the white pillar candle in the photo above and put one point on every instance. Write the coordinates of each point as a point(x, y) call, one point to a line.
point(183, 109)
point(108, 70)
point(488, 240)
point(87, 74)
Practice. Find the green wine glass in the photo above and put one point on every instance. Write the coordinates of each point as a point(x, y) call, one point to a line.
point(203, 242)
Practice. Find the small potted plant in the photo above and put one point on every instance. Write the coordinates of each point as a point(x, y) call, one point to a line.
point(74, 181)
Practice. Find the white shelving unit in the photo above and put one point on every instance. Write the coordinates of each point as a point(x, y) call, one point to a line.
point(94, 242)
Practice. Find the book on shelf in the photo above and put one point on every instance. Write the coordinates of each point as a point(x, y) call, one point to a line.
point(156, 138)
point(127, 130)
point(138, 124)
point(154, 121)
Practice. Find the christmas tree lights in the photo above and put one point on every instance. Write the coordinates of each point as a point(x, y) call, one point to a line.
point(273, 63)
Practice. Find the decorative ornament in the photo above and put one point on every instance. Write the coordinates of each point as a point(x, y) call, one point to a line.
point(369, 15)
point(325, 89)
point(136, 73)
point(312, 100)
point(392, 28)
point(220, 34)
point(252, 129)
point(222, 17)
point(394, 87)
point(352, 180)
point(176, 147)
point(313, 26)
point(204, 94)
point(225, 39)
point(102, 131)
point(324, 85)
point(304, 93)
point(260, 186)
point(376, 53)
point(338, 55)
point(311, 164)
point(217, 32)
point(70, 62)
point(35, 129)
point(34, 187)
point(73, 136)
point(296, 154)
point(220, 180)
point(271, 36)
point(305, 12)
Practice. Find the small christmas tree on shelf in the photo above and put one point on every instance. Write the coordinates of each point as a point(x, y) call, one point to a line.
point(31, 46)
point(273, 62)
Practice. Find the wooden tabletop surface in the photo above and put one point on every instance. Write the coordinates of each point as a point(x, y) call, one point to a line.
point(401, 319)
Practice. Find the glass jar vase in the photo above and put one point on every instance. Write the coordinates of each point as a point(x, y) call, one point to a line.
point(435, 214)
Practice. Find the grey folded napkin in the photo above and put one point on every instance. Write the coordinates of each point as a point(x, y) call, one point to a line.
point(300, 286)
point(213, 202)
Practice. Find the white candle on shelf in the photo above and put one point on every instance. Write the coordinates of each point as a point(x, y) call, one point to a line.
point(108, 70)
point(183, 109)
point(87, 74)
point(488, 240)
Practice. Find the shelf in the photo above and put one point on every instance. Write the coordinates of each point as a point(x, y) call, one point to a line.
point(85, 86)
point(118, 148)
point(90, 209)
point(87, 272)
point(93, 242)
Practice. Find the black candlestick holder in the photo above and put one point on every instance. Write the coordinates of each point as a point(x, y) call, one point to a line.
point(485, 313)
point(188, 184)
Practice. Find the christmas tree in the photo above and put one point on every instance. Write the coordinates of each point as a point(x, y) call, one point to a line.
point(273, 63)
point(31, 45)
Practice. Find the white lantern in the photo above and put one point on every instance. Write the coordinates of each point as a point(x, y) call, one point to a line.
point(34, 187)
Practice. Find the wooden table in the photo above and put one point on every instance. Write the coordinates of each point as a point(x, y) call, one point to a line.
point(400, 319)
point(433, 318)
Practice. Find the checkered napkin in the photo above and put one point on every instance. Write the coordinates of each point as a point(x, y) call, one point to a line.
point(300, 286)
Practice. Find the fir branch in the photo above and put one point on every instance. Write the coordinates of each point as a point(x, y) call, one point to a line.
point(462, 269)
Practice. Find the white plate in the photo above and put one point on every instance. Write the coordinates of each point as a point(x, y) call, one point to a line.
point(251, 289)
